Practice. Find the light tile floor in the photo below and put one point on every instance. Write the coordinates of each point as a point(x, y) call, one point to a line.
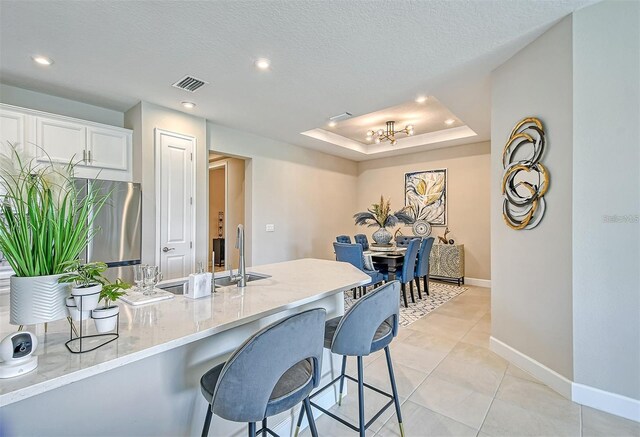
point(451, 384)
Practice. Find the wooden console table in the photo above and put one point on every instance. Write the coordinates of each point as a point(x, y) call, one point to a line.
point(446, 262)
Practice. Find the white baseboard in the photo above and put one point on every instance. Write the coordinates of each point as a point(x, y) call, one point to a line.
point(478, 282)
point(551, 378)
point(606, 401)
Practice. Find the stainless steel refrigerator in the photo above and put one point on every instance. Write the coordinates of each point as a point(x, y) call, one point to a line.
point(117, 241)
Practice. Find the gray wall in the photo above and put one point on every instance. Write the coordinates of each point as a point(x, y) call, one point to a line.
point(57, 105)
point(531, 270)
point(606, 168)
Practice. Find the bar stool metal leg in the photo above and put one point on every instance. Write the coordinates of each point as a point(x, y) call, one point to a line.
point(264, 427)
point(342, 372)
point(312, 422)
point(299, 424)
point(394, 390)
point(207, 422)
point(361, 397)
point(252, 429)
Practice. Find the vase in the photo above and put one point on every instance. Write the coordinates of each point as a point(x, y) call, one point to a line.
point(382, 237)
point(37, 299)
point(105, 318)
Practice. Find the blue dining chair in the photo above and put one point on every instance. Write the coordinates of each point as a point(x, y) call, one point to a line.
point(352, 253)
point(422, 265)
point(403, 240)
point(362, 239)
point(343, 239)
point(407, 274)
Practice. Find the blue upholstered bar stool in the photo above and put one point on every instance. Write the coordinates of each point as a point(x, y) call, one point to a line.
point(367, 327)
point(352, 253)
point(407, 274)
point(343, 239)
point(422, 265)
point(271, 372)
point(362, 240)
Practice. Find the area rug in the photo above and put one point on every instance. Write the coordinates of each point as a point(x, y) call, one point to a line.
point(439, 294)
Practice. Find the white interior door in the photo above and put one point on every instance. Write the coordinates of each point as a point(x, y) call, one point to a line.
point(175, 208)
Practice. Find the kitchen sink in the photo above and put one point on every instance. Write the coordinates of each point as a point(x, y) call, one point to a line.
point(225, 281)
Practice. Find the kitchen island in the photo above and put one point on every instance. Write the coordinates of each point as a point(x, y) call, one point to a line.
point(147, 382)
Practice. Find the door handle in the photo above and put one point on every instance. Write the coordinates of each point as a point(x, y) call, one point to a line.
point(167, 249)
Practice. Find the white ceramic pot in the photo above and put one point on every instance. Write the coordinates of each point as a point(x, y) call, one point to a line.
point(105, 318)
point(37, 299)
point(87, 298)
point(74, 312)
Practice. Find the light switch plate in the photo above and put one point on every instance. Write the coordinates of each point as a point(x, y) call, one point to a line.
point(270, 227)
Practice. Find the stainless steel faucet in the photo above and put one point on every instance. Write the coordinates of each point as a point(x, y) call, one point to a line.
point(242, 269)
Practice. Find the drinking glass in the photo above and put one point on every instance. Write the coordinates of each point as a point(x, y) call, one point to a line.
point(151, 279)
point(138, 275)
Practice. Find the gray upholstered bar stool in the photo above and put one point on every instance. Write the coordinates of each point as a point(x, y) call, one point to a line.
point(271, 372)
point(368, 326)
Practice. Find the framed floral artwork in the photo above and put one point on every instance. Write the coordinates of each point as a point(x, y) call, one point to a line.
point(425, 196)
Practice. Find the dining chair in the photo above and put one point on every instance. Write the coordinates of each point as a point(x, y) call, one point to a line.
point(352, 253)
point(362, 239)
point(408, 271)
point(403, 240)
point(422, 265)
point(343, 239)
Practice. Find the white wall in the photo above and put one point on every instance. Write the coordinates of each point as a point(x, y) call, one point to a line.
point(606, 183)
point(468, 174)
point(144, 118)
point(531, 304)
point(57, 105)
point(309, 196)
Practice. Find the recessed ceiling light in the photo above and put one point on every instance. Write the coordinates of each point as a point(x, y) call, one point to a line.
point(421, 99)
point(262, 64)
point(332, 123)
point(42, 60)
point(449, 121)
point(189, 105)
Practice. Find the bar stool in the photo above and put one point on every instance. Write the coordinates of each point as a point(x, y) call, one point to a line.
point(271, 372)
point(368, 326)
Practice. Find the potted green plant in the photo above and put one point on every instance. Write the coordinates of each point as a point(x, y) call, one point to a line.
point(87, 283)
point(105, 317)
point(379, 214)
point(45, 222)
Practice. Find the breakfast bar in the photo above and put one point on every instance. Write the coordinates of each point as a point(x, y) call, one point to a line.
point(147, 382)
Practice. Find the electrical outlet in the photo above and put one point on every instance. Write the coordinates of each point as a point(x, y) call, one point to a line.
point(270, 227)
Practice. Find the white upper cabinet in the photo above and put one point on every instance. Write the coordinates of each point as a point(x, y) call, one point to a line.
point(60, 141)
point(98, 151)
point(12, 131)
point(107, 148)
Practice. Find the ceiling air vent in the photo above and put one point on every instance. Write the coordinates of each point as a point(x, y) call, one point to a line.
point(189, 83)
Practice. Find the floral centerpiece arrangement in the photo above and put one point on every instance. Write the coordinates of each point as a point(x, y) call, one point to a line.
point(380, 215)
point(45, 223)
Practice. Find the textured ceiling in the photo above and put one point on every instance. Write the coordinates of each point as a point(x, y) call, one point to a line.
point(327, 56)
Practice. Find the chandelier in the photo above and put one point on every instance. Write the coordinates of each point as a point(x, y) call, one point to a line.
point(389, 134)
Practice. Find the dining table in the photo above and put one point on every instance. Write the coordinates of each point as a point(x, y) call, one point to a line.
point(388, 261)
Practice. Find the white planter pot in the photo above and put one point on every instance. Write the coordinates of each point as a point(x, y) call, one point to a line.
point(105, 318)
point(87, 298)
point(37, 299)
point(74, 312)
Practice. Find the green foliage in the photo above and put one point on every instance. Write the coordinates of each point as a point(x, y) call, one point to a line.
point(84, 275)
point(112, 291)
point(45, 222)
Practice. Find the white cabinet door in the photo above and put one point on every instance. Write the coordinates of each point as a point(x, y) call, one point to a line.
point(108, 148)
point(12, 131)
point(61, 140)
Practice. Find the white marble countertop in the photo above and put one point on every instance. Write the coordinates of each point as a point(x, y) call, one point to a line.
point(151, 329)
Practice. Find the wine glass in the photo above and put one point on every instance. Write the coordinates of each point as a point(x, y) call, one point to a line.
point(138, 275)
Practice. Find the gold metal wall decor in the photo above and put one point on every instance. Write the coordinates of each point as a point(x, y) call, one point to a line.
point(525, 180)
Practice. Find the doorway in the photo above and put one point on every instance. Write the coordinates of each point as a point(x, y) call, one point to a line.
point(226, 209)
point(174, 198)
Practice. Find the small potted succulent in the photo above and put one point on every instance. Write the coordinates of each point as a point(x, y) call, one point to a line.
point(105, 317)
